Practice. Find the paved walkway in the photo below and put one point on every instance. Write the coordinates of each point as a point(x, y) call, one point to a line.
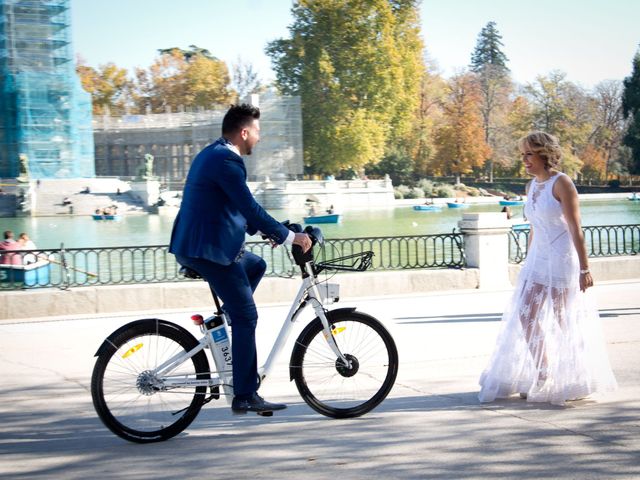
point(431, 426)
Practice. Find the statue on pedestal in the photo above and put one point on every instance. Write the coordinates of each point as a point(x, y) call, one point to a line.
point(23, 175)
point(145, 170)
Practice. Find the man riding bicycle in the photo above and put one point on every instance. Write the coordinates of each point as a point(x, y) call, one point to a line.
point(216, 213)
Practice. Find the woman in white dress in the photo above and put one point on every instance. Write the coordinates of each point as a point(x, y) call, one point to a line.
point(550, 347)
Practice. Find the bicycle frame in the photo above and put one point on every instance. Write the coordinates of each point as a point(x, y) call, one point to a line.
point(307, 293)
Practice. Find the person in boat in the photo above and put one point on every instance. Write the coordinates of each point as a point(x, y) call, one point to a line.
point(330, 210)
point(27, 244)
point(10, 243)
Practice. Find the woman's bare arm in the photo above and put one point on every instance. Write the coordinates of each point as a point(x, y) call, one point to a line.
point(566, 193)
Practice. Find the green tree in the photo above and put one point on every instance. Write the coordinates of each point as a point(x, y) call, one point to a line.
point(488, 52)
point(357, 66)
point(397, 164)
point(489, 64)
point(631, 111)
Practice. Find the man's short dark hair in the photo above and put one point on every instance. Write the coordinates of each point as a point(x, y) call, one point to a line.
point(8, 234)
point(239, 116)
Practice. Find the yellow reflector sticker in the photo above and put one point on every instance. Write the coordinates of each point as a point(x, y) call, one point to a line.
point(132, 350)
point(335, 331)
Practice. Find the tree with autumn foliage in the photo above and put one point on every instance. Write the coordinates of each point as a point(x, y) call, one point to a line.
point(565, 110)
point(182, 79)
point(433, 91)
point(357, 66)
point(608, 122)
point(459, 140)
point(109, 86)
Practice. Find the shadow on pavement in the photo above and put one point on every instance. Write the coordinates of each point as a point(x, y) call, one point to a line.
point(54, 432)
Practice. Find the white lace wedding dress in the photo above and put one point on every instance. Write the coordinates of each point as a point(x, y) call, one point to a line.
point(550, 344)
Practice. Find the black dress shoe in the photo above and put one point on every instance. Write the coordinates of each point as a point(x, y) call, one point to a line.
point(255, 403)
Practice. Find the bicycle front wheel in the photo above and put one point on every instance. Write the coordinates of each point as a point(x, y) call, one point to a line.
point(330, 387)
point(134, 402)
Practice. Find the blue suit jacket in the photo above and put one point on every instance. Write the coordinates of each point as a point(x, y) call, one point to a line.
point(217, 209)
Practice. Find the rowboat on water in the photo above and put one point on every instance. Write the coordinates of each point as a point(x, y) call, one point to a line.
point(427, 208)
point(106, 217)
point(456, 205)
point(330, 218)
point(511, 203)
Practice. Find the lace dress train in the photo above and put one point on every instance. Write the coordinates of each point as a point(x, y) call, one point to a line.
point(550, 344)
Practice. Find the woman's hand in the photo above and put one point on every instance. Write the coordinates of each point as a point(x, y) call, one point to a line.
point(586, 281)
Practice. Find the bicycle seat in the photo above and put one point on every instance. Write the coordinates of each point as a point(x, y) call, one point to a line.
point(189, 272)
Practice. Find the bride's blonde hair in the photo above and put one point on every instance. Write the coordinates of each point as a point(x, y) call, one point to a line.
point(545, 145)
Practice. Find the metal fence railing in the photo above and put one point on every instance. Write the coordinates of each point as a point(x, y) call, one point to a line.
point(73, 267)
point(601, 241)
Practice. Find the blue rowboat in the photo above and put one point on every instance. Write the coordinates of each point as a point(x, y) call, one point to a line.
point(106, 217)
point(331, 218)
point(456, 205)
point(427, 208)
point(511, 203)
point(30, 275)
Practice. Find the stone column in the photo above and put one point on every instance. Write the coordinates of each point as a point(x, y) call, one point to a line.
point(486, 244)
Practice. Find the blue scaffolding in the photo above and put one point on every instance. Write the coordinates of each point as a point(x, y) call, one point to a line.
point(45, 115)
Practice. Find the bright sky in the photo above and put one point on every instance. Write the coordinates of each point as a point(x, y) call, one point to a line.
point(590, 40)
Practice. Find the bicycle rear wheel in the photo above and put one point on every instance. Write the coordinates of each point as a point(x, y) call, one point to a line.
point(331, 388)
point(130, 399)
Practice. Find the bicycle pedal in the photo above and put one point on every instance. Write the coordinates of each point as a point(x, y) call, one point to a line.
point(265, 414)
point(215, 392)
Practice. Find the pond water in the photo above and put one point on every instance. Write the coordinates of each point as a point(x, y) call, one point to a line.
point(134, 230)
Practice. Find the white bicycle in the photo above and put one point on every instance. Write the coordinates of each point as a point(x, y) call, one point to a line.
point(152, 377)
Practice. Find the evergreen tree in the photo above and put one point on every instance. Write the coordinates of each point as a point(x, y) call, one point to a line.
point(357, 66)
point(489, 64)
point(631, 111)
point(487, 52)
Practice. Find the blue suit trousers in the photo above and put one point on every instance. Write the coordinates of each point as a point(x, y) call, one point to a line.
point(235, 284)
